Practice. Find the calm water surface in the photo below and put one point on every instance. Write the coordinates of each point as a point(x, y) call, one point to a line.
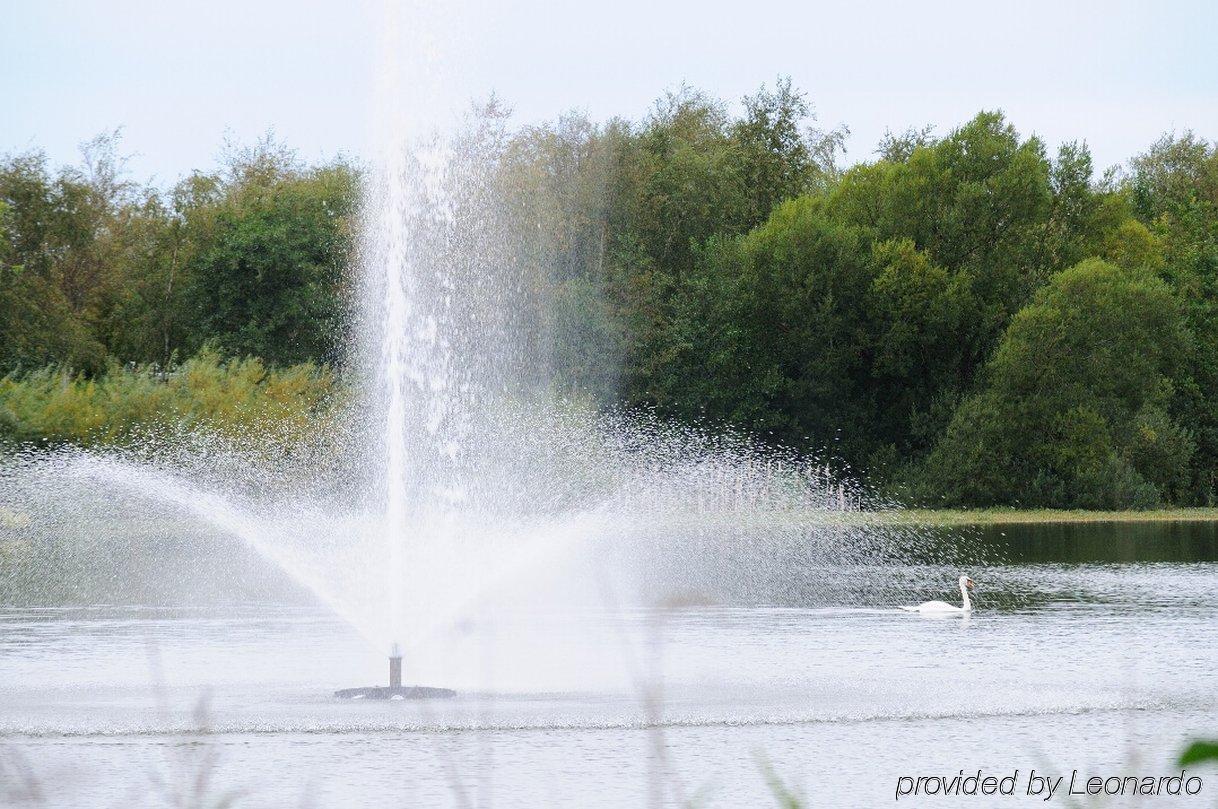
point(1093, 648)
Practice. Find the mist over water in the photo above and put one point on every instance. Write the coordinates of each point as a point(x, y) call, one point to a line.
point(554, 511)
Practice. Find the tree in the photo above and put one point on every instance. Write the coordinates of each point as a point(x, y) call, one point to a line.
point(780, 157)
point(774, 333)
point(1073, 412)
point(50, 273)
point(966, 228)
point(265, 279)
point(1174, 190)
point(976, 200)
point(554, 181)
point(923, 313)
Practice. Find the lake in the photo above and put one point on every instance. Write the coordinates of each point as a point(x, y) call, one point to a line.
point(1093, 648)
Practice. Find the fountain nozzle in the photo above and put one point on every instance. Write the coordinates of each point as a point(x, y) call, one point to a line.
point(395, 666)
point(395, 690)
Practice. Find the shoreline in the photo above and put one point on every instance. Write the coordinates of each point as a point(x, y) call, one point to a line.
point(1017, 516)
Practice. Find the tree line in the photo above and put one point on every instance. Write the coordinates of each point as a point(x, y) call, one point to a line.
point(963, 319)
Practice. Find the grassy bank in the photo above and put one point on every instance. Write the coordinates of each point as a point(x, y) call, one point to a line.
point(1012, 516)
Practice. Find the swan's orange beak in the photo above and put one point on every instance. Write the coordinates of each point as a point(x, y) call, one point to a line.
point(970, 584)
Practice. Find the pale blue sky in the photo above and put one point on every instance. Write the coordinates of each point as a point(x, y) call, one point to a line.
point(178, 75)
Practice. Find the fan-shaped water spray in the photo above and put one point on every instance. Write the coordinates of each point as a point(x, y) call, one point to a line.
point(557, 509)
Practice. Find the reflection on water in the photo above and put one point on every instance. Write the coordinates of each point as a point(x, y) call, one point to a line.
point(1100, 542)
point(1093, 647)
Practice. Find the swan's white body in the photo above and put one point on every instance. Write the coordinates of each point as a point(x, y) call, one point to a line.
point(941, 607)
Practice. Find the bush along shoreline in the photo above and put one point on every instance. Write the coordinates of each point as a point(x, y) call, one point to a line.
point(56, 406)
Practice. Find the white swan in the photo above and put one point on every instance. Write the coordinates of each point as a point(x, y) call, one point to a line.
point(966, 584)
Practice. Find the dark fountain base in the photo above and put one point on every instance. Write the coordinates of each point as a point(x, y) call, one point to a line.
point(395, 689)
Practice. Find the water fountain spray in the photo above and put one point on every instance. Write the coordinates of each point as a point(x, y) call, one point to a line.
point(453, 482)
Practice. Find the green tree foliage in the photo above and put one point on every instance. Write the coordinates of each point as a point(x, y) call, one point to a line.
point(53, 268)
point(1174, 190)
point(779, 156)
point(688, 174)
point(921, 311)
point(617, 215)
point(977, 203)
point(555, 182)
point(1073, 410)
point(94, 268)
point(265, 276)
point(777, 324)
point(966, 318)
point(869, 349)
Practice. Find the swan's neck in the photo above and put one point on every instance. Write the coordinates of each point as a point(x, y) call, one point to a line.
point(968, 605)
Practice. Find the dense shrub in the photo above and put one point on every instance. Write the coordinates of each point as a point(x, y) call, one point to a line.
point(55, 405)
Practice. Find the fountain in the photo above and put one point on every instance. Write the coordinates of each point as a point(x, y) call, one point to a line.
point(395, 689)
point(454, 487)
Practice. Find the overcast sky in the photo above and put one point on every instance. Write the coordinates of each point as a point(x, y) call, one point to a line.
point(178, 76)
